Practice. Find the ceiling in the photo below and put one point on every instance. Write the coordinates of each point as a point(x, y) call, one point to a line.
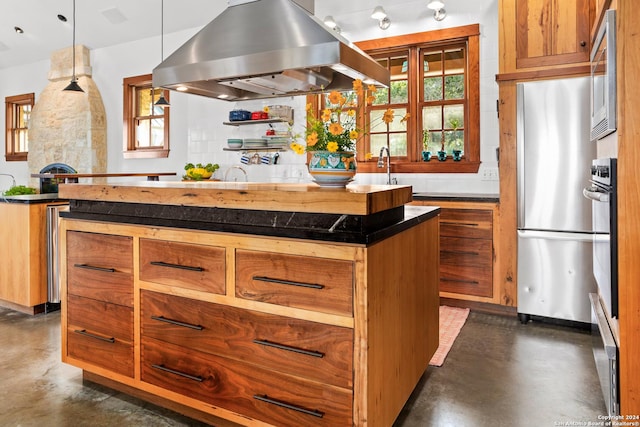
point(101, 23)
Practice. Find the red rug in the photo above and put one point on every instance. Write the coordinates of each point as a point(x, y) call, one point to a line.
point(451, 322)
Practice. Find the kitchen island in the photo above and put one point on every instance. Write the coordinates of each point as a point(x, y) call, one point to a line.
point(252, 304)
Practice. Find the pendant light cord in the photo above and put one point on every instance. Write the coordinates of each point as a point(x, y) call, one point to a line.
point(73, 45)
point(161, 30)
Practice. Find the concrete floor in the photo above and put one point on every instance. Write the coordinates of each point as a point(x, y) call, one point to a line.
point(498, 373)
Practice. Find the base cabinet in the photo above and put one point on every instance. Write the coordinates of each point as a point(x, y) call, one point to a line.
point(258, 330)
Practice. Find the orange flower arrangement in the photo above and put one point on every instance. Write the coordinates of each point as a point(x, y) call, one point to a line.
point(336, 130)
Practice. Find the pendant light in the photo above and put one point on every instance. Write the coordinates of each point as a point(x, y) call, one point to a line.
point(73, 85)
point(162, 101)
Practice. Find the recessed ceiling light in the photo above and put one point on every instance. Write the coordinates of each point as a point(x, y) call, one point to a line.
point(62, 18)
point(18, 30)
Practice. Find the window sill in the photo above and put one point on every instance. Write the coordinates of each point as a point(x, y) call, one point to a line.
point(432, 166)
point(145, 154)
point(22, 157)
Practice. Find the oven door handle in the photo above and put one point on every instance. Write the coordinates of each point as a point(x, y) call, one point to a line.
point(597, 196)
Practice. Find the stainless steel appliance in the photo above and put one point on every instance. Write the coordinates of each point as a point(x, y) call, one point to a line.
point(603, 78)
point(605, 353)
point(602, 194)
point(554, 221)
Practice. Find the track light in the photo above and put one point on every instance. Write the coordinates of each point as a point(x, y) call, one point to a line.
point(383, 20)
point(330, 22)
point(438, 9)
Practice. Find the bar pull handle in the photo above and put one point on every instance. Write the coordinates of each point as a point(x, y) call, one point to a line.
point(93, 267)
point(177, 323)
point(178, 266)
point(288, 282)
point(84, 332)
point(446, 279)
point(181, 374)
point(289, 348)
point(267, 399)
point(465, 224)
point(461, 253)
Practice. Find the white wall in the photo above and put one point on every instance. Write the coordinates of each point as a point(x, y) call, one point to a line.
point(197, 133)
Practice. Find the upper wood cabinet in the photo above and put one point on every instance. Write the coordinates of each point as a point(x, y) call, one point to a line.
point(540, 35)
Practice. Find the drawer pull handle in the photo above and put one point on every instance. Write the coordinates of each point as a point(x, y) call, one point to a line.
point(178, 266)
point(473, 282)
point(267, 399)
point(289, 348)
point(87, 334)
point(461, 253)
point(288, 282)
point(177, 323)
point(93, 267)
point(181, 374)
point(465, 224)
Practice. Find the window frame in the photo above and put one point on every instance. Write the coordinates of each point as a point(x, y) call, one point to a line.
point(131, 85)
point(11, 104)
point(469, 35)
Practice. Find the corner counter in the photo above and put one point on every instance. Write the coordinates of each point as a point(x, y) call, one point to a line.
point(23, 254)
point(252, 304)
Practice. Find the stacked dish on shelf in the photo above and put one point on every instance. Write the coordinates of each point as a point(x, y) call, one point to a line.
point(254, 142)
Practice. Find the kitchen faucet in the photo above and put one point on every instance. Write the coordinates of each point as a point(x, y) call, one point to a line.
point(381, 164)
point(226, 173)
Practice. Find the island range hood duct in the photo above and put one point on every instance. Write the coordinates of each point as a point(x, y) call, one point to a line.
point(263, 49)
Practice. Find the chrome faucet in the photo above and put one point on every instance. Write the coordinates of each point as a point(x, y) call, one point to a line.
point(381, 164)
point(226, 173)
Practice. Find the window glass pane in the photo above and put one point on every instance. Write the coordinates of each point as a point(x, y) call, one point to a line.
point(381, 96)
point(397, 125)
point(22, 115)
point(377, 142)
point(433, 88)
point(454, 140)
point(432, 118)
point(454, 87)
point(375, 121)
point(454, 117)
point(398, 144)
point(435, 143)
point(143, 107)
point(142, 133)
point(399, 92)
point(157, 132)
point(22, 141)
point(454, 61)
point(433, 63)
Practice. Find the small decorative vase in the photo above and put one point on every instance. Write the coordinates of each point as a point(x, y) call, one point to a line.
point(332, 169)
point(442, 156)
point(426, 156)
point(457, 155)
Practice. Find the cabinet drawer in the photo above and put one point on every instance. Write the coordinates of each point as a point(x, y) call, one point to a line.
point(185, 265)
point(311, 350)
point(100, 333)
point(100, 266)
point(244, 388)
point(472, 223)
point(317, 284)
point(466, 252)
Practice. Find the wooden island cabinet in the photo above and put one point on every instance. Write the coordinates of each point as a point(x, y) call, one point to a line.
point(220, 302)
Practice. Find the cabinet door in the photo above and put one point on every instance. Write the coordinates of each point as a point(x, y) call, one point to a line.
point(552, 32)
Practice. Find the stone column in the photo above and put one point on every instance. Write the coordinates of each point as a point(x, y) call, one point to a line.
point(65, 126)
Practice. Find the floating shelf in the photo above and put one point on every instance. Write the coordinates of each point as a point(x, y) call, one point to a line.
point(265, 148)
point(256, 122)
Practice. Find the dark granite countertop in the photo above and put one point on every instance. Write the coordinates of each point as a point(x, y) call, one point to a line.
point(343, 228)
point(458, 197)
point(32, 198)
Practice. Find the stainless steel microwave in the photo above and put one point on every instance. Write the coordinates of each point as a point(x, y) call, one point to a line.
point(603, 79)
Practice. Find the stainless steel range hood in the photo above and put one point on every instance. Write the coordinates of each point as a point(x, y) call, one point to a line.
point(264, 49)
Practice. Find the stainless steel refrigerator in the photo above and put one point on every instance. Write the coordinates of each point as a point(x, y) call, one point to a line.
point(554, 155)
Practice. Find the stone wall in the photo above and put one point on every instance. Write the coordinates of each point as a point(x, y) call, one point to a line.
point(65, 126)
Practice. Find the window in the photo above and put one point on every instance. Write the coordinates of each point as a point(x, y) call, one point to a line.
point(146, 126)
point(434, 78)
point(18, 112)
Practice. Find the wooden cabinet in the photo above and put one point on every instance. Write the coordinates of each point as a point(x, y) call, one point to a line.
point(99, 299)
point(467, 255)
point(23, 256)
point(545, 35)
point(255, 330)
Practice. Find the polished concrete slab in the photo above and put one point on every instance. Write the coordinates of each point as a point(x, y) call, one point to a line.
point(498, 373)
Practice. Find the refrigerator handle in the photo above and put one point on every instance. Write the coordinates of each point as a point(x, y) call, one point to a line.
point(556, 235)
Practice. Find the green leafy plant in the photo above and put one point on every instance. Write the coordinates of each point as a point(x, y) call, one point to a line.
point(18, 190)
